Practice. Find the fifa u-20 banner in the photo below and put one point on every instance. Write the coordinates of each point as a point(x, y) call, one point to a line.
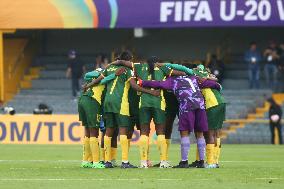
point(139, 13)
point(46, 129)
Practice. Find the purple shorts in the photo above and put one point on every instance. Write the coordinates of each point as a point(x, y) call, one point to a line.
point(195, 120)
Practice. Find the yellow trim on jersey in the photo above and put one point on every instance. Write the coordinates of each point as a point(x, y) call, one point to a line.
point(124, 109)
point(209, 97)
point(171, 72)
point(133, 68)
point(163, 101)
point(113, 85)
point(97, 93)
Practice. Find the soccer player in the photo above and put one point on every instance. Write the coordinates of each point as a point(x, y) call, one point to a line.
point(215, 110)
point(116, 109)
point(216, 113)
point(192, 115)
point(171, 113)
point(152, 107)
point(89, 108)
point(113, 144)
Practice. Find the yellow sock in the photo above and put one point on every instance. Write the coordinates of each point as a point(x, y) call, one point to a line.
point(168, 142)
point(210, 153)
point(217, 150)
point(197, 154)
point(107, 148)
point(102, 154)
point(124, 148)
point(95, 149)
point(144, 146)
point(162, 145)
point(129, 140)
point(113, 153)
point(86, 149)
point(148, 148)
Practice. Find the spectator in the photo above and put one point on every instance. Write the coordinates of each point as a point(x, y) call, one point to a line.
point(99, 61)
point(217, 67)
point(275, 115)
point(281, 65)
point(253, 58)
point(74, 71)
point(271, 58)
point(105, 62)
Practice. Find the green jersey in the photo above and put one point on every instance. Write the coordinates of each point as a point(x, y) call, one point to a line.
point(212, 97)
point(95, 92)
point(134, 96)
point(147, 100)
point(116, 97)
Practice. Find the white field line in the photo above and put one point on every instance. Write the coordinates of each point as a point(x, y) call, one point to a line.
point(273, 178)
point(94, 179)
point(76, 161)
point(110, 179)
point(250, 161)
point(39, 160)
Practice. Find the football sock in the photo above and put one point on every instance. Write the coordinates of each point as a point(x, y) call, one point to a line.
point(113, 153)
point(107, 148)
point(124, 148)
point(168, 142)
point(144, 146)
point(148, 148)
point(184, 148)
point(129, 140)
point(210, 148)
point(95, 149)
point(161, 140)
point(102, 153)
point(217, 150)
point(201, 148)
point(197, 154)
point(86, 149)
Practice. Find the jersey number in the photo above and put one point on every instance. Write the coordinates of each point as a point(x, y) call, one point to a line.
point(191, 84)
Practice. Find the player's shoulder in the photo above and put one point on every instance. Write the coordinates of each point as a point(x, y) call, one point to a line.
point(111, 68)
point(137, 65)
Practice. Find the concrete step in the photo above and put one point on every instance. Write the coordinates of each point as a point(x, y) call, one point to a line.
point(53, 74)
point(240, 84)
point(51, 84)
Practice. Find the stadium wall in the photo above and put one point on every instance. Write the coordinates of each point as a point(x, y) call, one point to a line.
point(47, 129)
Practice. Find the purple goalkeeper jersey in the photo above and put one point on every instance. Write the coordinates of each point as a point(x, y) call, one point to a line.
point(186, 90)
point(188, 93)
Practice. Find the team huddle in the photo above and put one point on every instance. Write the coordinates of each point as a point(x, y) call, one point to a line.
point(128, 94)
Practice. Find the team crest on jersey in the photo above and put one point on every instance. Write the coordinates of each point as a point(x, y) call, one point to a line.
point(111, 69)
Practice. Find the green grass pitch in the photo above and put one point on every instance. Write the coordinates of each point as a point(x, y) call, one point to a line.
point(58, 166)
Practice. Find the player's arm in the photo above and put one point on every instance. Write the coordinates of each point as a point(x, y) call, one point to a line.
point(86, 86)
point(212, 77)
point(101, 77)
point(91, 75)
point(123, 63)
point(171, 72)
point(181, 68)
point(205, 83)
point(177, 73)
point(141, 89)
point(112, 76)
point(68, 72)
point(166, 84)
